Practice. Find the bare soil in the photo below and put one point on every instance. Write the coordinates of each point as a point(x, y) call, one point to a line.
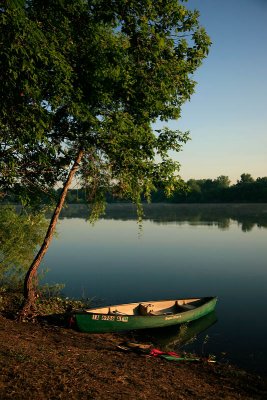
point(40, 361)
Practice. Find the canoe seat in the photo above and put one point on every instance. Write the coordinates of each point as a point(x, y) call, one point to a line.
point(186, 306)
point(116, 312)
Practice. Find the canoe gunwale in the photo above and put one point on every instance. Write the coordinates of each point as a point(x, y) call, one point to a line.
point(171, 305)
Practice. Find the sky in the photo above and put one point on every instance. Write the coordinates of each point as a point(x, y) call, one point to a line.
point(227, 115)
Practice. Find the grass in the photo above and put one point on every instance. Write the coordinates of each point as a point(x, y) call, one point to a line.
point(50, 301)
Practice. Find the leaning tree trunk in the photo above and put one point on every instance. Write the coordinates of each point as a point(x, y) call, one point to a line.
point(28, 306)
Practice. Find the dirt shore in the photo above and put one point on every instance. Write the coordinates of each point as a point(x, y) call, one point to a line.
point(48, 362)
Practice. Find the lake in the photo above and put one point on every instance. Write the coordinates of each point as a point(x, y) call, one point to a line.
point(180, 251)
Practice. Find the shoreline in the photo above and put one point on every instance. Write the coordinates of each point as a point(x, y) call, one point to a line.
point(41, 361)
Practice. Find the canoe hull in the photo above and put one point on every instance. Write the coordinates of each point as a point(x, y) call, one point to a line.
point(97, 322)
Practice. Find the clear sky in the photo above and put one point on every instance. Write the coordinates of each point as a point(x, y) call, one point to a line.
point(227, 115)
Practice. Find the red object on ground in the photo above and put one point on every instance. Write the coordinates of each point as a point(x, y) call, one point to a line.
point(157, 352)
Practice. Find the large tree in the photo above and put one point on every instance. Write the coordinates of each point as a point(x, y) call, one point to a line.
point(82, 81)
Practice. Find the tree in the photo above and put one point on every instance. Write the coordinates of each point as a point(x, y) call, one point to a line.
point(194, 194)
point(245, 179)
point(83, 80)
point(222, 182)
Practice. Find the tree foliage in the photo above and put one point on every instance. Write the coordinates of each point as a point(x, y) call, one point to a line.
point(94, 74)
point(20, 234)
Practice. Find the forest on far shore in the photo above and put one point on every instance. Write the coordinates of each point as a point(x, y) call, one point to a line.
point(219, 190)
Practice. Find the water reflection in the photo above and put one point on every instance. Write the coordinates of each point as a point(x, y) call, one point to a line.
point(174, 338)
point(247, 216)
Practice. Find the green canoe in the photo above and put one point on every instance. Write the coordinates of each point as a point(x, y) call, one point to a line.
point(143, 315)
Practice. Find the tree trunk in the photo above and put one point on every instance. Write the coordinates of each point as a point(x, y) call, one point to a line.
point(28, 306)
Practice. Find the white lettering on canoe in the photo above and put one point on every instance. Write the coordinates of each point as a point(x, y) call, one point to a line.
point(108, 318)
point(172, 317)
point(118, 318)
point(121, 318)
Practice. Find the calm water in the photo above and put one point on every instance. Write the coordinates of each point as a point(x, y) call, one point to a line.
point(181, 251)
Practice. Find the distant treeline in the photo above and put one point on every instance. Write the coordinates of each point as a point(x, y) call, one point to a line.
point(219, 190)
